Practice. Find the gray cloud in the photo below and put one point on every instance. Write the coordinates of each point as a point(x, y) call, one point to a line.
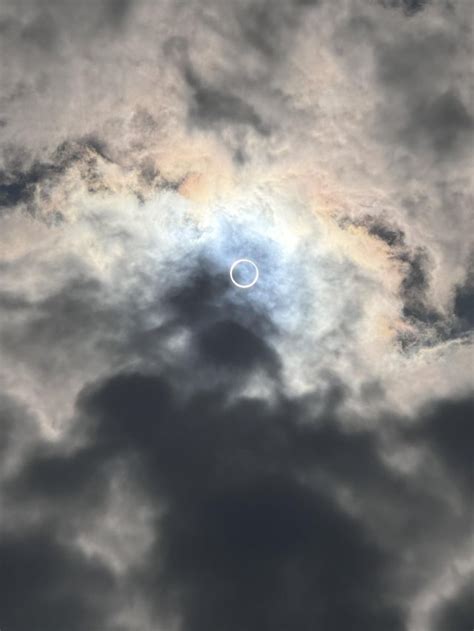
point(410, 7)
point(50, 585)
point(457, 613)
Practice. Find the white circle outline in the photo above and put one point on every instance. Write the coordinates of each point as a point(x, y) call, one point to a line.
point(234, 265)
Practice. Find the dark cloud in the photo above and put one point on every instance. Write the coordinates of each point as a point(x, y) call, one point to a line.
point(19, 187)
point(391, 235)
point(50, 586)
point(211, 105)
point(21, 180)
point(443, 122)
point(65, 317)
point(64, 481)
point(249, 531)
point(464, 304)
point(267, 29)
point(31, 182)
point(414, 287)
point(405, 63)
point(230, 344)
point(449, 430)
point(205, 296)
point(46, 27)
point(249, 534)
point(410, 7)
point(18, 432)
point(268, 554)
point(423, 109)
point(457, 613)
point(42, 32)
point(116, 12)
point(266, 26)
point(418, 310)
point(197, 297)
point(244, 542)
point(464, 300)
point(416, 263)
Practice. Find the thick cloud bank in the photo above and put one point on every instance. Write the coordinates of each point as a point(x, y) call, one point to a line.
point(178, 454)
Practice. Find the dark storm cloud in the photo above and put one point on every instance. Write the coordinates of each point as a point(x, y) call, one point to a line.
point(49, 586)
point(272, 554)
point(62, 483)
point(244, 542)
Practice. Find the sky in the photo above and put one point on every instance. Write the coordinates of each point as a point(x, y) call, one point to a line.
point(181, 454)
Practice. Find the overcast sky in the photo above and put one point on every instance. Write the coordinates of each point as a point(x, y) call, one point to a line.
point(180, 454)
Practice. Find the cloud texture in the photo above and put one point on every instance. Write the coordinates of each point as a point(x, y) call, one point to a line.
point(180, 455)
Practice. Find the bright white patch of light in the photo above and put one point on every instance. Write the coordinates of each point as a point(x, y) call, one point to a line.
point(241, 285)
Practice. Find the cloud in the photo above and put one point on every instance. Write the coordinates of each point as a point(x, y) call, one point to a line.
point(176, 453)
point(50, 584)
point(464, 300)
point(456, 613)
point(262, 509)
point(448, 429)
point(410, 7)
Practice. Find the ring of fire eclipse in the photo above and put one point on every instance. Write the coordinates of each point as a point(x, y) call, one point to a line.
point(241, 285)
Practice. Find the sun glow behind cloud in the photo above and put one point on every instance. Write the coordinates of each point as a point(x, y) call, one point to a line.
point(320, 415)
